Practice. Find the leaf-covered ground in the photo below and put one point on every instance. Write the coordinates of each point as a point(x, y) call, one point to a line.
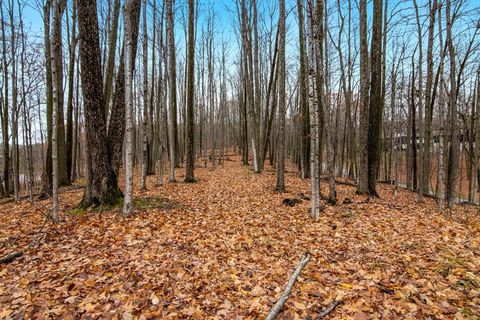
point(224, 247)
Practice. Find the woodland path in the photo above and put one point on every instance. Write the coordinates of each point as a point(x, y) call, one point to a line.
point(224, 247)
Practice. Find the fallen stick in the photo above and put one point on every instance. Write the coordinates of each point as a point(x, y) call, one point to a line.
point(288, 288)
point(12, 256)
point(329, 309)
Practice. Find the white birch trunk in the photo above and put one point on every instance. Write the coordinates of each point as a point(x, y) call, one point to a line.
point(127, 202)
point(314, 148)
point(55, 215)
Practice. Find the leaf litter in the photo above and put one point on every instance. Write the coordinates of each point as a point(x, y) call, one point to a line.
point(224, 247)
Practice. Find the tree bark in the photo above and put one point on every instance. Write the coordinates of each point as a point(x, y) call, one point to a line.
point(281, 98)
point(172, 133)
point(116, 125)
point(452, 99)
point(71, 69)
point(102, 188)
point(129, 120)
point(305, 165)
point(190, 143)
point(376, 102)
point(362, 186)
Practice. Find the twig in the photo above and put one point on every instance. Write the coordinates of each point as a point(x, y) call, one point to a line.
point(329, 309)
point(12, 256)
point(288, 288)
point(9, 258)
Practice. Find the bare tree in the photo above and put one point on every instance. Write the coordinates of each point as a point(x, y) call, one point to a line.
point(172, 132)
point(376, 103)
point(190, 143)
point(362, 186)
point(129, 120)
point(281, 99)
point(453, 152)
point(144, 164)
point(102, 188)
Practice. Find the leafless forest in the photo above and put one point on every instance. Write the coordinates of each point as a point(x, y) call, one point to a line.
point(348, 102)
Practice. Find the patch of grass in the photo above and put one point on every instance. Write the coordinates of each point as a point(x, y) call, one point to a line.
point(268, 242)
point(81, 210)
point(143, 204)
point(346, 214)
point(76, 212)
point(139, 204)
point(414, 246)
point(454, 261)
point(449, 263)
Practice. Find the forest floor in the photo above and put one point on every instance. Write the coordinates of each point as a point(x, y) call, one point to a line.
point(224, 247)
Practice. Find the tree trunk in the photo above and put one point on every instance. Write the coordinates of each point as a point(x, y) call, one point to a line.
point(172, 132)
point(112, 48)
point(102, 188)
point(427, 158)
point(419, 93)
point(305, 165)
point(314, 143)
point(190, 143)
point(57, 87)
point(376, 101)
point(281, 98)
point(362, 186)
point(129, 120)
point(144, 164)
point(71, 69)
point(453, 152)
point(57, 59)
point(116, 125)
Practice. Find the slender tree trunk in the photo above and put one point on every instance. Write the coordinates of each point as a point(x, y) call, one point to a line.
point(5, 111)
point(303, 83)
point(190, 143)
point(47, 183)
point(281, 98)
point(313, 109)
point(329, 125)
point(419, 94)
point(56, 48)
point(452, 98)
point(172, 92)
point(427, 158)
point(71, 69)
point(112, 48)
point(14, 82)
point(56, 96)
point(376, 101)
point(144, 164)
point(441, 132)
point(129, 120)
point(362, 186)
point(116, 125)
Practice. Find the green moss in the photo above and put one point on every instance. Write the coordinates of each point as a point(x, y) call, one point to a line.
point(143, 204)
point(78, 211)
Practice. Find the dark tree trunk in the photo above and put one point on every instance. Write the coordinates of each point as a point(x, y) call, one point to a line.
point(116, 125)
point(102, 187)
point(190, 143)
point(376, 101)
point(71, 66)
